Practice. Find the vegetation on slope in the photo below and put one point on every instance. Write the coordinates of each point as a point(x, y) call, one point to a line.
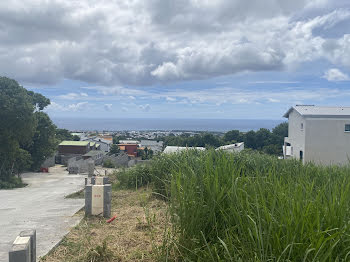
point(250, 207)
point(27, 134)
point(263, 140)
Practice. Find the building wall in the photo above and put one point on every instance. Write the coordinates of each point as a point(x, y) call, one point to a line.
point(296, 134)
point(73, 149)
point(326, 141)
point(131, 150)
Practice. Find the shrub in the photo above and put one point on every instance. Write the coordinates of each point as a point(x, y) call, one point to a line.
point(253, 207)
point(108, 164)
point(12, 182)
point(134, 177)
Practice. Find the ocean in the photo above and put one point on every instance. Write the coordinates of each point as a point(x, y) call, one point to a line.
point(144, 124)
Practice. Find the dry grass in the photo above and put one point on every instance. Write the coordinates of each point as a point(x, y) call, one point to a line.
point(133, 236)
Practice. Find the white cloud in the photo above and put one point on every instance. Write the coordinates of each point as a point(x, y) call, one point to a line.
point(145, 108)
point(73, 96)
point(170, 99)
point(125, 109)
point(335, 75)
point(108, 107)
point(68, 108)
point(141, 42)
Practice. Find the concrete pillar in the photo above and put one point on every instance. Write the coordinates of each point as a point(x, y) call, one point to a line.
point(91, 167)
point(98, 200)
point(32, 234)
point(97, 180)
point(20, 251)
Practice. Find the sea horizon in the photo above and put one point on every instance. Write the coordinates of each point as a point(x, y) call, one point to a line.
point(163, 124)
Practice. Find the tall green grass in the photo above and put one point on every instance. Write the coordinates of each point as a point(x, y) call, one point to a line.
point(253, 207)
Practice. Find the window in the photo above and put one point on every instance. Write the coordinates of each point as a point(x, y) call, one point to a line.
point(347, 128)
point(302, 126)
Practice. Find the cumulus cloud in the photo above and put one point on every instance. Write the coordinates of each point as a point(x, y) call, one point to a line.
point(145, 107)
point(335, 75)
point(73, 96)
point(68, 108)
point(142, 42)
point(108, 107)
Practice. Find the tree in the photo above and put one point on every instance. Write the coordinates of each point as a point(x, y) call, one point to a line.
point(17, 123)
point(44, 143)
point(232, 136)
point(63, 134)
point(250, 140)
point(27, 135)
point(114, 150)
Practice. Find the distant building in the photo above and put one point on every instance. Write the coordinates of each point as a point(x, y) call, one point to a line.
point(104, 145)
point(155, 146)
point(177, 149)
point(237, 147)
point(96, 155)
point(318, 134)
point(129, 142)
point(74, 147)
point(129, 149)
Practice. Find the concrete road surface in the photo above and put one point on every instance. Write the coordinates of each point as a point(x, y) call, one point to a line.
point(42, 206)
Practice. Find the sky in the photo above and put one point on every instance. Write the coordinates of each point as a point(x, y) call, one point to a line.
point(238, 59)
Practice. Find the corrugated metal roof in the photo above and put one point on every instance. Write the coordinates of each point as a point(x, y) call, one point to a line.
point(311, 110)
point(74, 143)
point(94, 153)
point(175, 149)
point(232, 146)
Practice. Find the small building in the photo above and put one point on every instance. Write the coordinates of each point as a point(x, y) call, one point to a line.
point(74, 147)
point(96, 155)
point(92, 145)
point(129, 142)
point(237, 147)
point(104, 145)
point(129, 149)
point(318, 134)
point(177, 149)
point(155, 146)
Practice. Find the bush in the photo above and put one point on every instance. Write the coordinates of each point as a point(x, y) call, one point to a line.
point(253, 207)
point(108, 164)
point(134, 177)
point(13, 182)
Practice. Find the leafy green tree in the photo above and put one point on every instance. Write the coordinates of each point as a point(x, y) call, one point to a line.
point(44, 143)
point(27, 135)
point(63, 134)
point(76, 138)
point(114, 150)
point(17, 123)
point(232, 136)
point(250, 140)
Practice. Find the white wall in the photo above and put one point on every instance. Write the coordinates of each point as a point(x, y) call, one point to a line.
point(296, 135)
point(326, 141)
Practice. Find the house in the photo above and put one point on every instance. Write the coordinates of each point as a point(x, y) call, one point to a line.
point(129, 142)
point(237, 147)
point(177, 149)
point(104, 145)
point(318, 134)
point(96, 155)
point(155, 146)
point(129, 149)
point(74, 147)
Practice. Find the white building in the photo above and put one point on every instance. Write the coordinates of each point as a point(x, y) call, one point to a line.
point(104, 144)
point(237, 147)
point(318, 134)
point(177, 149)
point(155, 146)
